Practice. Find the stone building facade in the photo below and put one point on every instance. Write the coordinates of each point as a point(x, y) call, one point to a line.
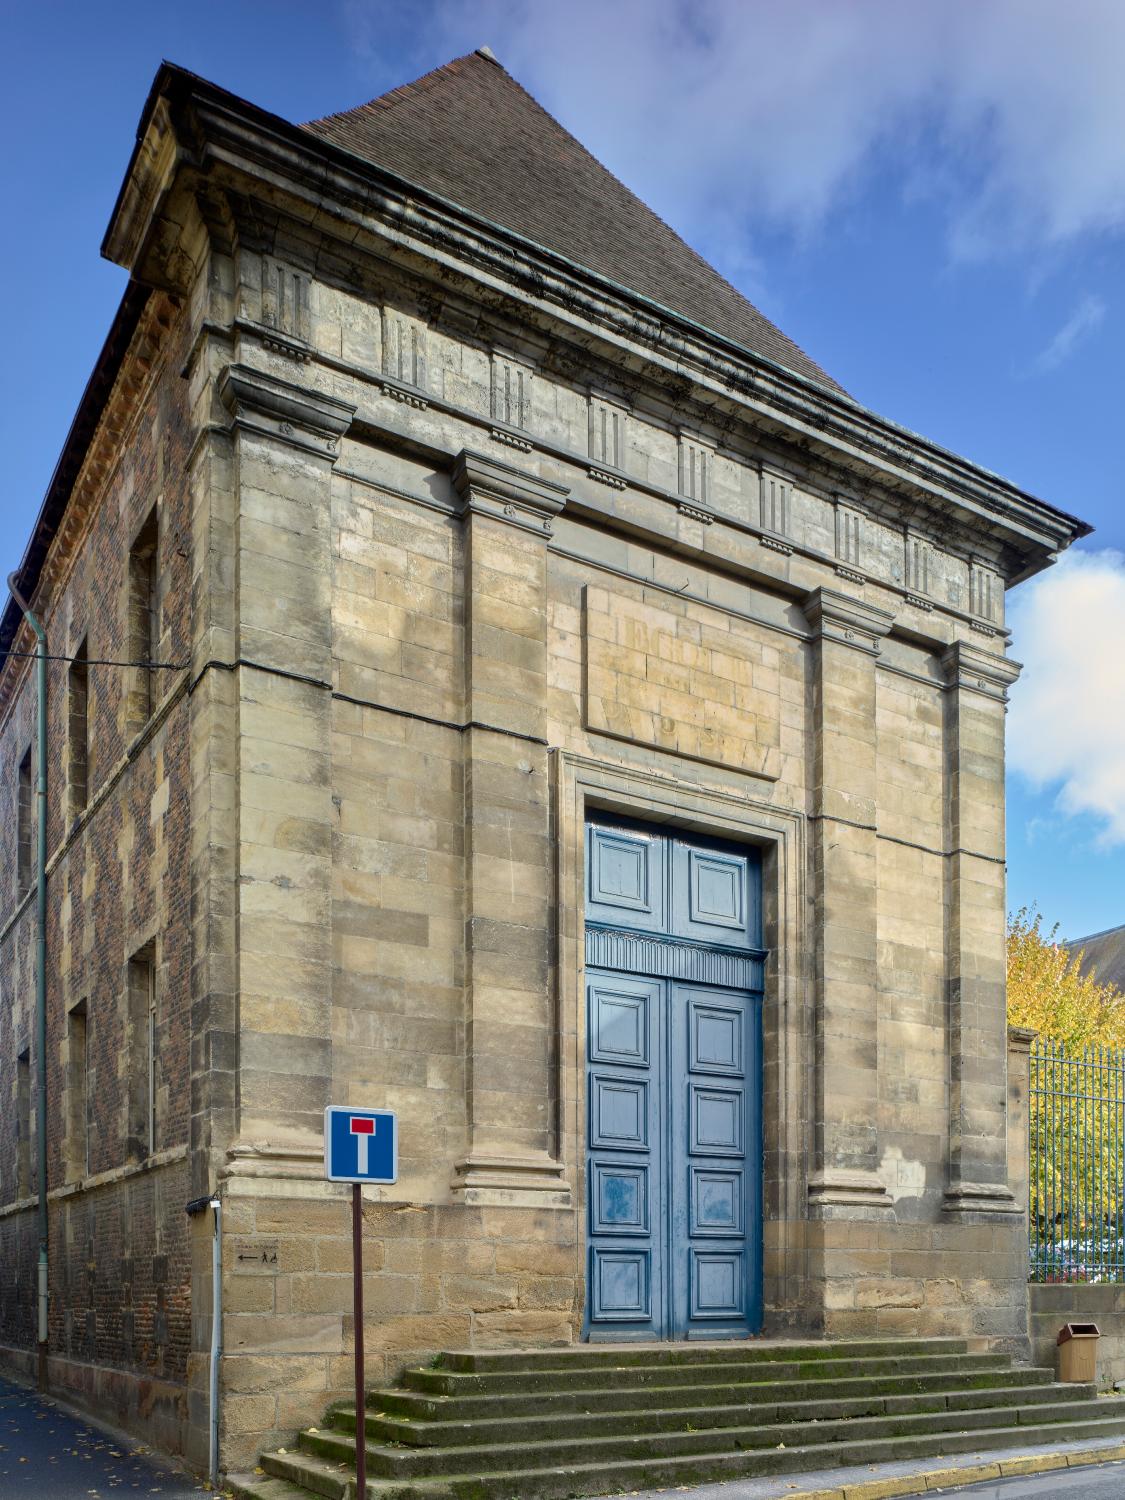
point(580, 728)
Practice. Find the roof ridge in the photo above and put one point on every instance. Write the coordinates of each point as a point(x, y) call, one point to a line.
point(1090, 936)
point(384, 103)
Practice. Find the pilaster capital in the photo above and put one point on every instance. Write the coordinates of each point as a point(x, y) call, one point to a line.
point(979, 671)
point(1020, 1039)
point(294, 414)
point(488, 486)
point(851, 622)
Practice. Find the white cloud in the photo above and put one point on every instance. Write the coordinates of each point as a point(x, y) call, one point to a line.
point(1087, 316)
point(726, 114)
point(1066, 725)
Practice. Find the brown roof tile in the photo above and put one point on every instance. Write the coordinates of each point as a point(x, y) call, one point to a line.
point(469, 132)
point(1104, 955)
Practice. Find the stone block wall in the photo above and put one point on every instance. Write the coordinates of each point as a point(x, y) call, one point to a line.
point(496, 631)
point(1053, 1305)
point(435, 1277)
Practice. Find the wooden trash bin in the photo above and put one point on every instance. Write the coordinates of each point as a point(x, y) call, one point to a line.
point(1078, 1352)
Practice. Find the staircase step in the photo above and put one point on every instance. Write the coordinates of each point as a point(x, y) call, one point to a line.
point(750, 1351)
point(559, 1482)
point(408, 1462)
point(452, 1433)
point(421, 1407)
point(449, 1383)
point(262, 1487)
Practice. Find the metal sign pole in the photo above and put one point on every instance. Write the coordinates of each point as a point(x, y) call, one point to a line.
point(360, 1395)
point(360, 1145)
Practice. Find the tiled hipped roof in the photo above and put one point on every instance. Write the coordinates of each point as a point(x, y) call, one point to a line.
point(470, 133)
point(1105, 955)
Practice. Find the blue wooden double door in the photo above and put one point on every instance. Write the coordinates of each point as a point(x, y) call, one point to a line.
point(673, 1078)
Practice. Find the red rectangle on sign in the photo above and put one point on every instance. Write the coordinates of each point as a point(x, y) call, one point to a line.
point(363, 1127)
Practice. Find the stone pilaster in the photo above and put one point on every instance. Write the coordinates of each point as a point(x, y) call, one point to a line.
point(845, 643)
point(977, 683)
point(285, 441)
point(1020, 1039)
point(510, 1031)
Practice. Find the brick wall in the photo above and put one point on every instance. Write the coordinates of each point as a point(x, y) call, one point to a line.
point(118, 880)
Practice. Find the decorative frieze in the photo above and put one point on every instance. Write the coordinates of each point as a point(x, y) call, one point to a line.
point(511, 391)
point(614, 481)
point(849, 540)
point(695, 462)
point(404, 357)
point(285, 309)
point(606, 433)
point(676, 958)
point(775, 504)
point(985, 591)
point(917, 569)
point(694, 513)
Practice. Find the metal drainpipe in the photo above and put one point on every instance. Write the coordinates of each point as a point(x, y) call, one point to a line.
point(41, 955)
point(197, 1205)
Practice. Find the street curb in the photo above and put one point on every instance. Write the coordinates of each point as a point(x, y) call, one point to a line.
point(928, 1480)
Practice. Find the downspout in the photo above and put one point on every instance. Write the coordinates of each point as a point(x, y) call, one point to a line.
point(197, 1206)
point(41, 954)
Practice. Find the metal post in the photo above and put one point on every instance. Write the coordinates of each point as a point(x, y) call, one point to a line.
point(41, 958)
point(198, 1206)
point(216, 1338)
point(360, 1396)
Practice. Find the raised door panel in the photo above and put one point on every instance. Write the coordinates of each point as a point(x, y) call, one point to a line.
point(715, 894)
point(626, 875)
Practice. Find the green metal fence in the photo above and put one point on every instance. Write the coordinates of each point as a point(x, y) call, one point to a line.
point(1076, 1139)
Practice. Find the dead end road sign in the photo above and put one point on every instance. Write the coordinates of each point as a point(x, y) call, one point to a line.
point(360, 1145)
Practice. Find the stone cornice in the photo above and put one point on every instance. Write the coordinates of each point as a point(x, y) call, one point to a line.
point(234, 143)
point(967, 666)
point(82, 476)
point(486, 486)
point(293, 414)
point(838, 617)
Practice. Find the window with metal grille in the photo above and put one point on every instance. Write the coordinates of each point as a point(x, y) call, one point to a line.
point(144, 621)
point(25, 828)
point(143, 1056)
point(78, 731)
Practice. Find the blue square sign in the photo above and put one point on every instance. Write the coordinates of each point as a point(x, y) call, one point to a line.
point(360, 1145)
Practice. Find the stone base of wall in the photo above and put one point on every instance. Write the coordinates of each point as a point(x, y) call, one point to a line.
point(1053, 1304)
point(961, 1280)
point(154, 1410)
point(435, 1277)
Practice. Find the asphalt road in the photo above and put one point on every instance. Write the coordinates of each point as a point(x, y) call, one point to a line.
point(1104, 1481)
point(48, 1454)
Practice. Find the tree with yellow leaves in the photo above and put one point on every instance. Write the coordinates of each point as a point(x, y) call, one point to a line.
point(1076, 1107)
point(1046, 990)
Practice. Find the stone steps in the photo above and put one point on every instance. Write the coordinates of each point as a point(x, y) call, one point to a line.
point(443, 1382)
point(482, 1458)
point(454, 1431)
point(424, 1408)
point(598, 1420)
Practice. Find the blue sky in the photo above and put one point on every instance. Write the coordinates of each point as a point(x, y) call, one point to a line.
point(929, 197)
